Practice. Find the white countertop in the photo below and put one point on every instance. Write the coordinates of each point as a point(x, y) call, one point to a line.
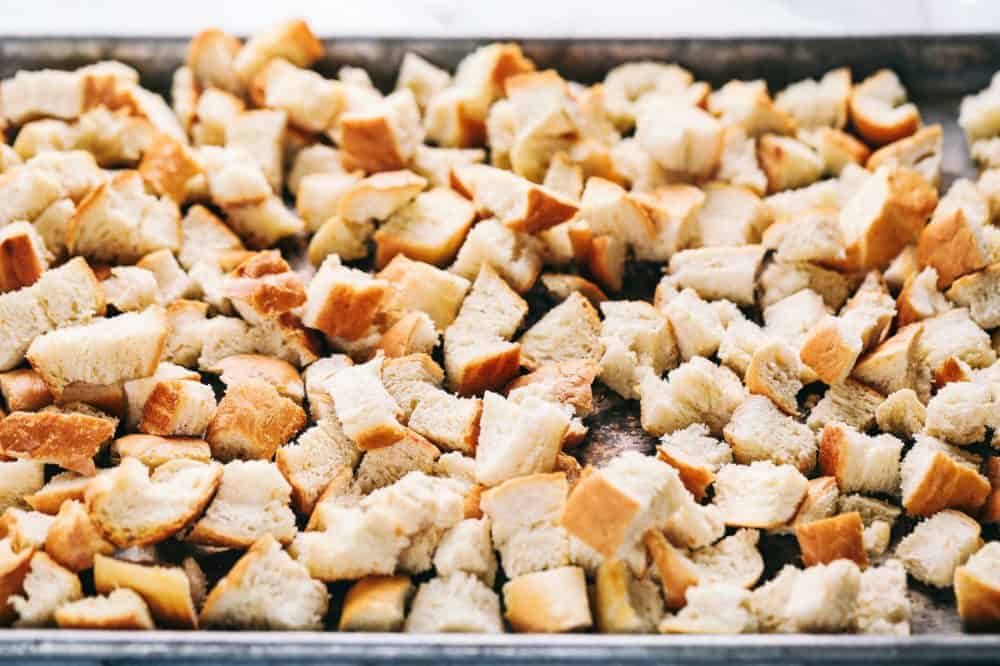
point(432, 18)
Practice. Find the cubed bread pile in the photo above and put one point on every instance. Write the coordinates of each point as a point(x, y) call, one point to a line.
point(203, 431)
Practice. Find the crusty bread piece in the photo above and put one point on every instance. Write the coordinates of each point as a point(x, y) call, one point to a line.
point(385, 465)
point(939, 545)
point(73, 539)
point(954, 334)
point(24, 390)
point(850, 403)
point(178, 408)
point(901, 414)
point(769, 601)
point(310, 100)
point(514, 255)
point(780, 280)
point(748, 105)
point(376, 603)
point(46, 587)
point(167, 165)
point(841, 151)
point(315, 459)
point(203, 236)
point(368, 413)
point(624, 604)
point(342, 301)
point(828, 539)
point(568, 383)
point(722, 272)
point(695, 323)
point(761, 494)
point(712, 608)
point(121, 609)
point(858, 461)
point(232, 176)
point(937, 476)
point(896, 364)
point(467, 547)
point(634, 335)
point(26, 530)
point(153, 450)
point(960, 412)
point(70, 440)
point(976, 588)
point(774, 372)
point(382, 136)
point(517, 438)
point(954, 245)
point(13, 569)
point(611, 509)
point(166, 590)
point(252, 501)
point(697, 392)
point(833, 345)
point(23, 256)
point(814, 235)
point(379, 196)
point(252, 421)
point(693, 145)
point(263, 286)
point(677, 572)
point(260, 133)
point(210, 59)
point(734, 560)
point(456, 603)
point(243, 368)
point(317, 158)
point(758, 430)
point(319, 194)
point(879, 109)
point(172, 496)
point(266, 589)
point(431, 228)
point(130, 288)
point(552, 601)
point(422, 78)
point(569, 331)
point(291, 40)
point(738, 165)
point(680, 215)
point(821, 501)
point(976, 292)
point(477, 354)
point(420, 287)
point(823, 598)
point(882, 604)
point(626, 86)
point(113, 350)
point(695, 455)
point(36, 493)
point(264, 223)
point(788, 162)
point(921, 151)
point(119, 222)
point(137, 391)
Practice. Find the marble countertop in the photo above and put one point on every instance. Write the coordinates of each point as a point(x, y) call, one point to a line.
point(524, 18)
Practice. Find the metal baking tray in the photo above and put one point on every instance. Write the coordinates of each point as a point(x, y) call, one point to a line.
point(937, 70)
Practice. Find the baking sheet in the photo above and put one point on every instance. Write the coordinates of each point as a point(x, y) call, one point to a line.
point(937, 72)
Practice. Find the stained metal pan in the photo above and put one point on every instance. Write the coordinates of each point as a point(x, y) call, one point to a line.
point(937, 71)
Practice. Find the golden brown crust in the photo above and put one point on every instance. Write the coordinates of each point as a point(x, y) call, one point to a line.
point(267, 283)
point(252, 421)
point(949, 244)
point(369, 143)
point(68, 440)
point(677, 573)
point(397, 341)
point(895, 151)
point(598, 513)
point(53, 494)
point(550, 601)
point(827, 353)
point(349, 309)
point(167, 165)
point(73, 539)
point(376, 603)
point(696, 478)
point(154, 450)
point(20, 265)
point(489, 372)
point(571, 382)
point(951, 370)
point(71, 616)
point(836, 538)
point(24, 390)
point(831, 451)
point(167, 590)
point(990, 513)
point(947, 485)
point(544, 209)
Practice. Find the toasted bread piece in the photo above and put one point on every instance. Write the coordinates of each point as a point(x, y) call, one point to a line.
point(738, 164)
point(552, 601)
point(624, 604)
point(677, 572)
point(712, 608)
point(895, 364)
point(879, 109)
point(758, 430)
point(939, 545)
point(119, 349)
point(717, 273)
point(367, 412)
point(467, 547)
point(976, 588)
point(697, 392)
point(376, 603)
point(46, 586)
point(310, 100)
point(748, 105)
point(774, 372)
point(822, 598)
point(517, 438)
point(252, 421)
point(611, 513)
point(693, 144)
point(291, 40)
point(634, 335)
point(266, 589)
point(695, 455)
point(858, 461)
point(178, 408)
point(921, 151)
point(210, 58)
point(976, 292)
point(937, 476)
point(431, 228)
point(820, 103)
point(960, 412)
point(839, 150)
point(567, 332)
point(954, 334)
point(315, 459)
point(696, 323)
point(119, 222)
point(901, 414)
point(174, 495)
point(24, 390)
point(73, 539)
point(382, 136)
point(153, 450)
point(788, 162)
point(384, 466)
point(343, 301)
point(456, 603)
point(834, 344)
point(37, 494)
point(121, 609)
point(779, 491)
point(829, 539)
point(23, 256)
point(166, 590)
point(260, 133)
point(14, 567)
point(70, 440)
point(25, 530)
point(243, 368)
